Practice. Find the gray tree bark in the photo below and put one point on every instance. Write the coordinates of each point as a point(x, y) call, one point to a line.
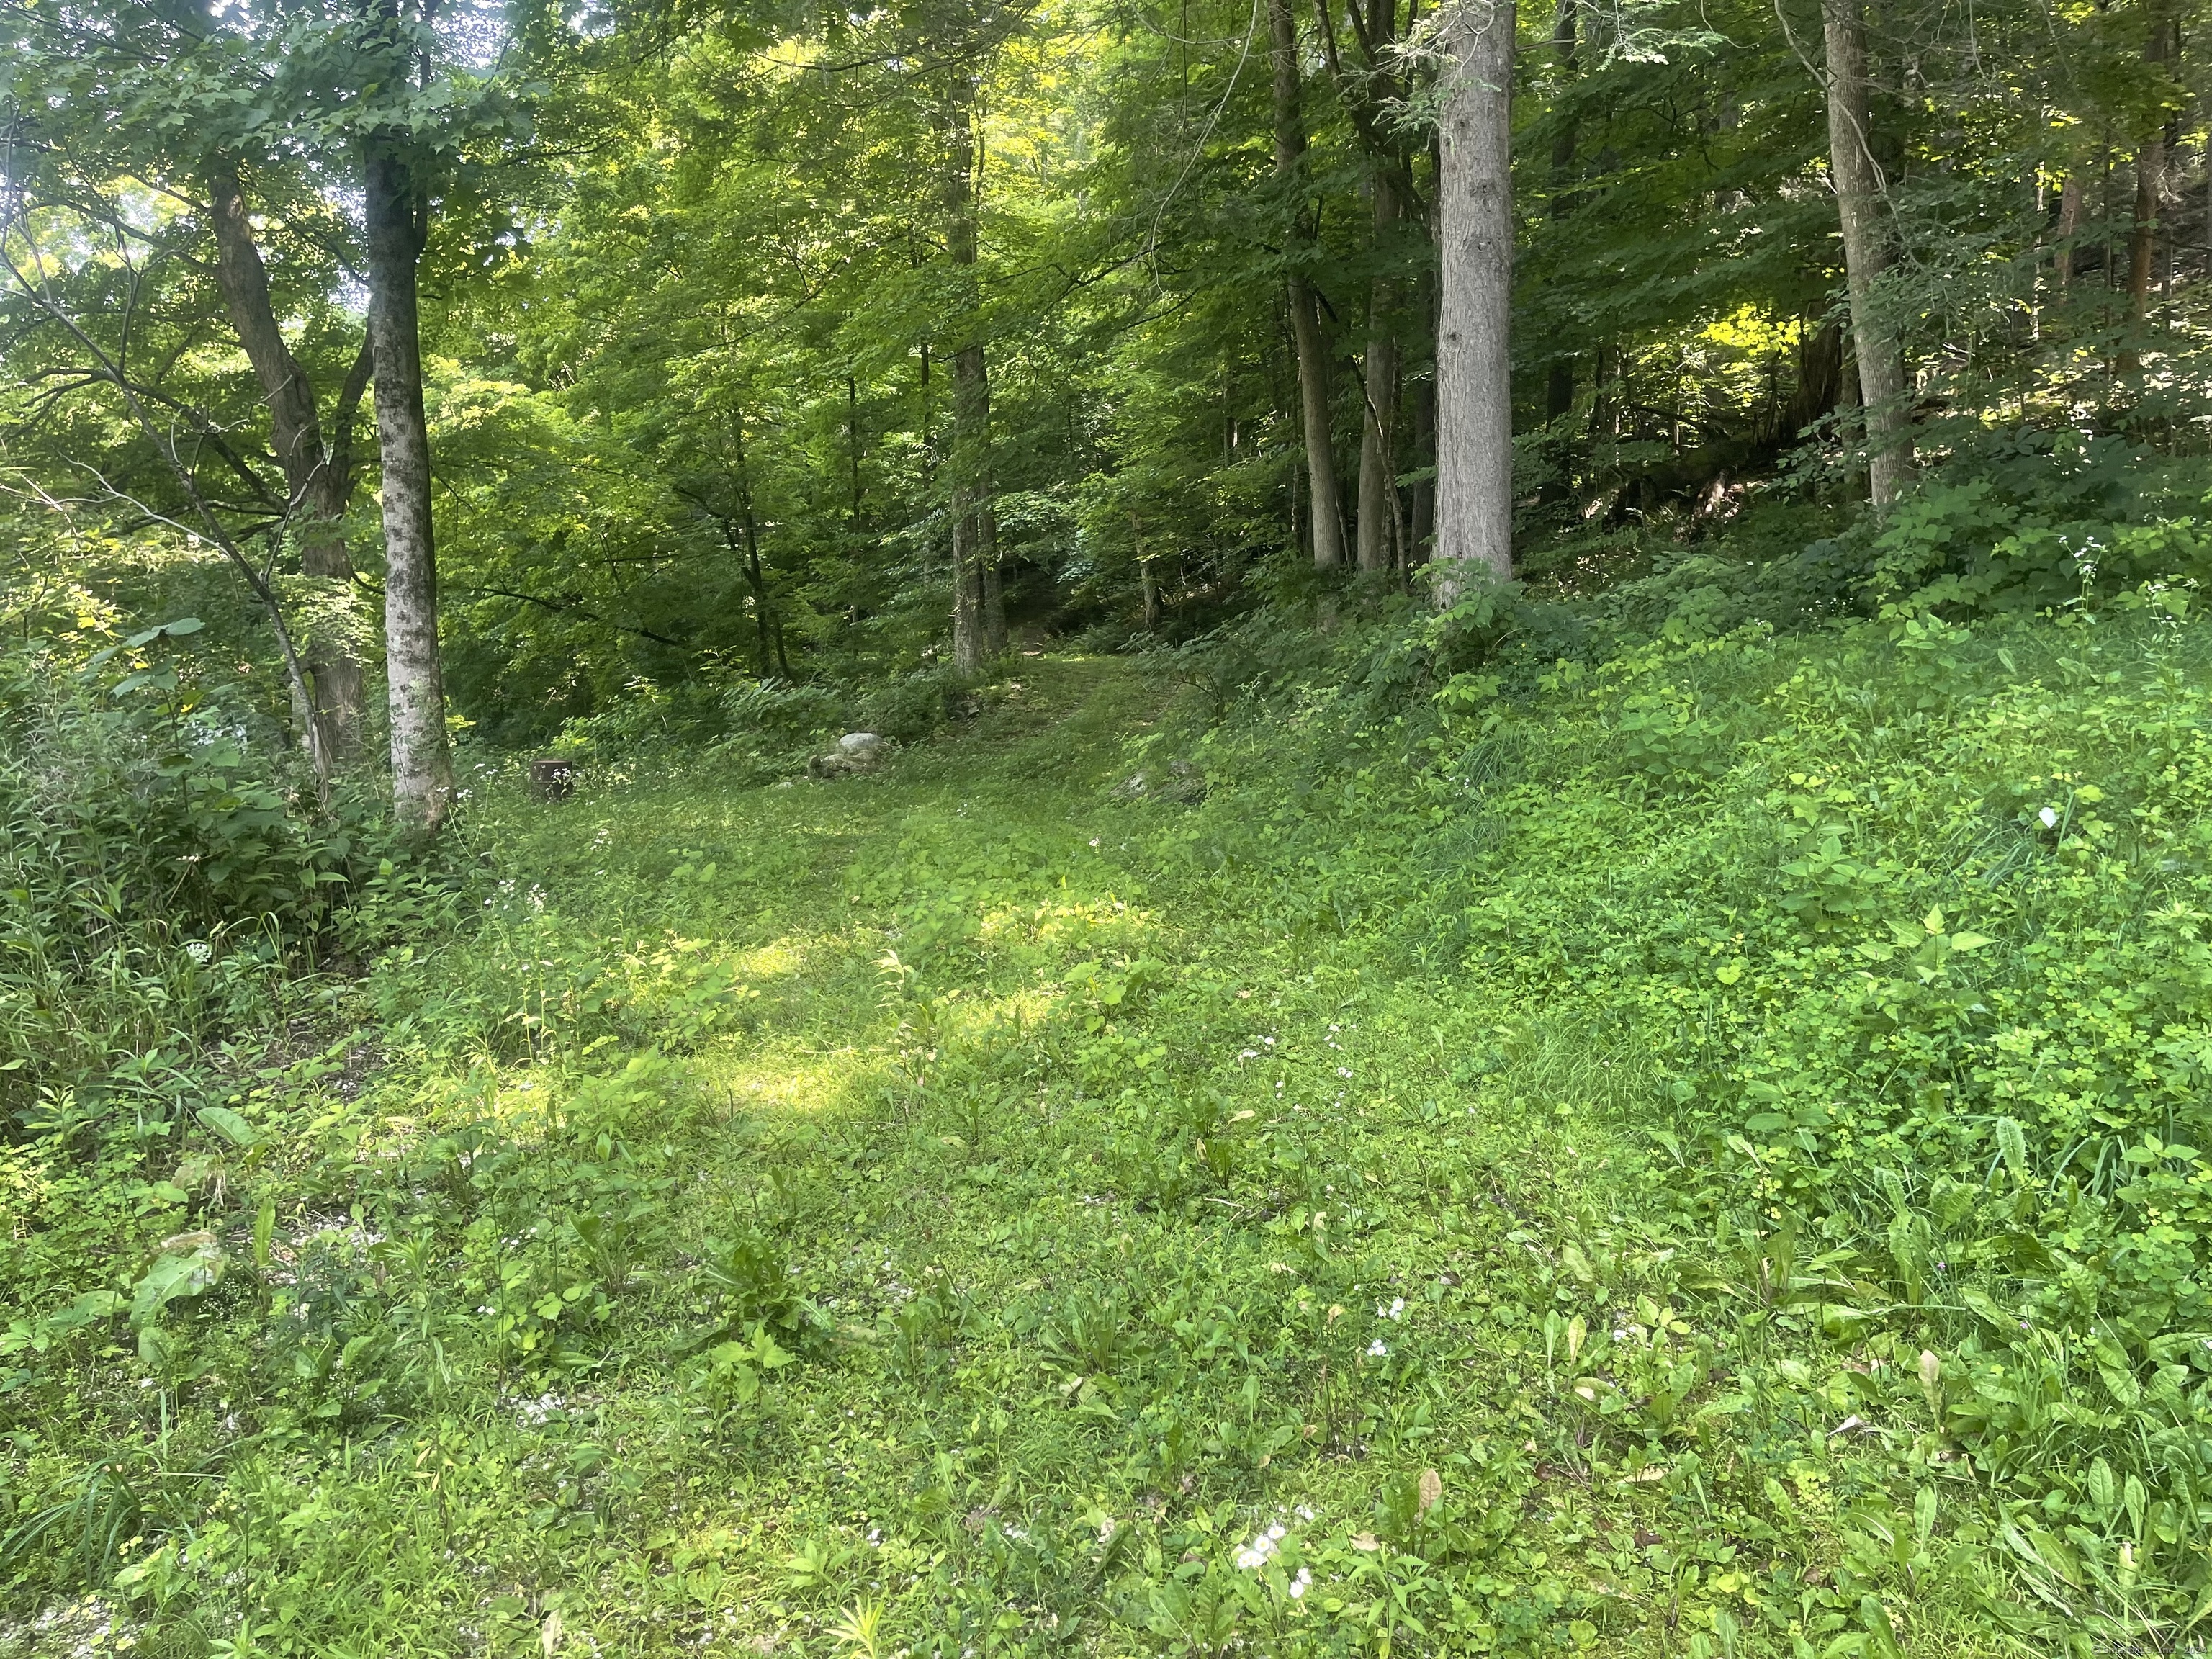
point(994, 593)
point(971, 511)
point(422, 759)
point(974, 537)
point(2069, 226)
point(1378, 427)
point(1559, 379)
point(1474, 361)
point(318, 478)
point(1307, 344)
point(1867, 254)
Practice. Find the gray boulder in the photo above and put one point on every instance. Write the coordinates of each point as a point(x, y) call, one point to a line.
point(856, 753)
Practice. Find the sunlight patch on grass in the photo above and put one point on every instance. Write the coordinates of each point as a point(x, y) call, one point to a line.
point(786, 1079)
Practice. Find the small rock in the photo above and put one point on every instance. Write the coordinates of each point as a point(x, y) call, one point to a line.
point(1179, 781)
point(856, 752)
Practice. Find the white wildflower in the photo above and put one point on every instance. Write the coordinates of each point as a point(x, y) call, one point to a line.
point(1376, 1349)
point(1302, 1583)
point(1257, 1553)
point(2050, 816)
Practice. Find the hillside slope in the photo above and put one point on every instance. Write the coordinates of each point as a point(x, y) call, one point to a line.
point(1691, 1164)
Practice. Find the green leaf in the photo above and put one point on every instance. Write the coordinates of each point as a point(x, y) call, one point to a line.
point(221, 1120)
point(1985, 1308)
point(2122, 1385)
point(1969, 941)
point(189, 1264)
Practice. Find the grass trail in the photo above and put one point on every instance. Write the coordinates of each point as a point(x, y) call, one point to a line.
point(1017, 1249)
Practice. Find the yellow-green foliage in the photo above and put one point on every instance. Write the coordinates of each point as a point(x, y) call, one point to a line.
point(1687, 1162)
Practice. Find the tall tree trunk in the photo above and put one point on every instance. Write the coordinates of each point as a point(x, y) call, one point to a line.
point(766, 628)
point(2070, 226)
point(1866, 253)
point(758, 582)
point(318, 480)
point(2150, 180)
point(1378, 427)
point(1474, 359)
point(971, 421)
point(970, 458)
point(422, 761)
point(1421, 511)
point(1311, 349)
point(1559, 382)
point(994, 591)
point(1369, 86)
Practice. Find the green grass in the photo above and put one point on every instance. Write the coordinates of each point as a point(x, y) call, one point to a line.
point(965, 1211)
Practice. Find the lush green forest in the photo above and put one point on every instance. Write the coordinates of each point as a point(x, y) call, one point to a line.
point(1106, 828)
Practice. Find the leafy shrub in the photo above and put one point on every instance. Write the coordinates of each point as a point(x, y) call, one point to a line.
point(2025, 521)
point(161, 871)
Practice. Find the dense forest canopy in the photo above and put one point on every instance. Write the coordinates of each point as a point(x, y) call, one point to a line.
point(741, 329)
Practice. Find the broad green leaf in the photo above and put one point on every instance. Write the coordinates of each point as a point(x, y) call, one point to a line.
point(224, 1122)
point(188, 1265)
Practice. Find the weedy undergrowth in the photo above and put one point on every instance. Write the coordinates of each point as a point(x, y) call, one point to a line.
point(1688, 1161)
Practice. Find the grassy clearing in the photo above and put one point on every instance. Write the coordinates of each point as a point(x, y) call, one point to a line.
point(966, 1210)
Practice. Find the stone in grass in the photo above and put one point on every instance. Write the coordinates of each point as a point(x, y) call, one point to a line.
point(1178, 781)
point(856, 752)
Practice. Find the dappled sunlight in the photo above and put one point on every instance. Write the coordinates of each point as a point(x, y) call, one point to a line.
point(787, 1080)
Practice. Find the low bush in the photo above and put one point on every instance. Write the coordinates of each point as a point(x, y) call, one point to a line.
point(166, 877)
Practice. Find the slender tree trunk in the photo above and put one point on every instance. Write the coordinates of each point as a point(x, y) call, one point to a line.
point(994, 591)
point(1851, 420)
point(852, 438)
point(2143, 239)
point(2150, 180)
point(1559, 382)
point(1306, 339)
point(318, 480)
point(767, 629)
point(1378, 429)
point(2070, 226)
point(1866, 253)
point(1421, 511)
point(971, 420)
point(758, 582)
point(1474, 359)
point(422, 761)
point(972, 525)
point(1368, 86)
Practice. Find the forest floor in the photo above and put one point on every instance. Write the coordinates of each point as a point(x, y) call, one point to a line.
point(973, 1229)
